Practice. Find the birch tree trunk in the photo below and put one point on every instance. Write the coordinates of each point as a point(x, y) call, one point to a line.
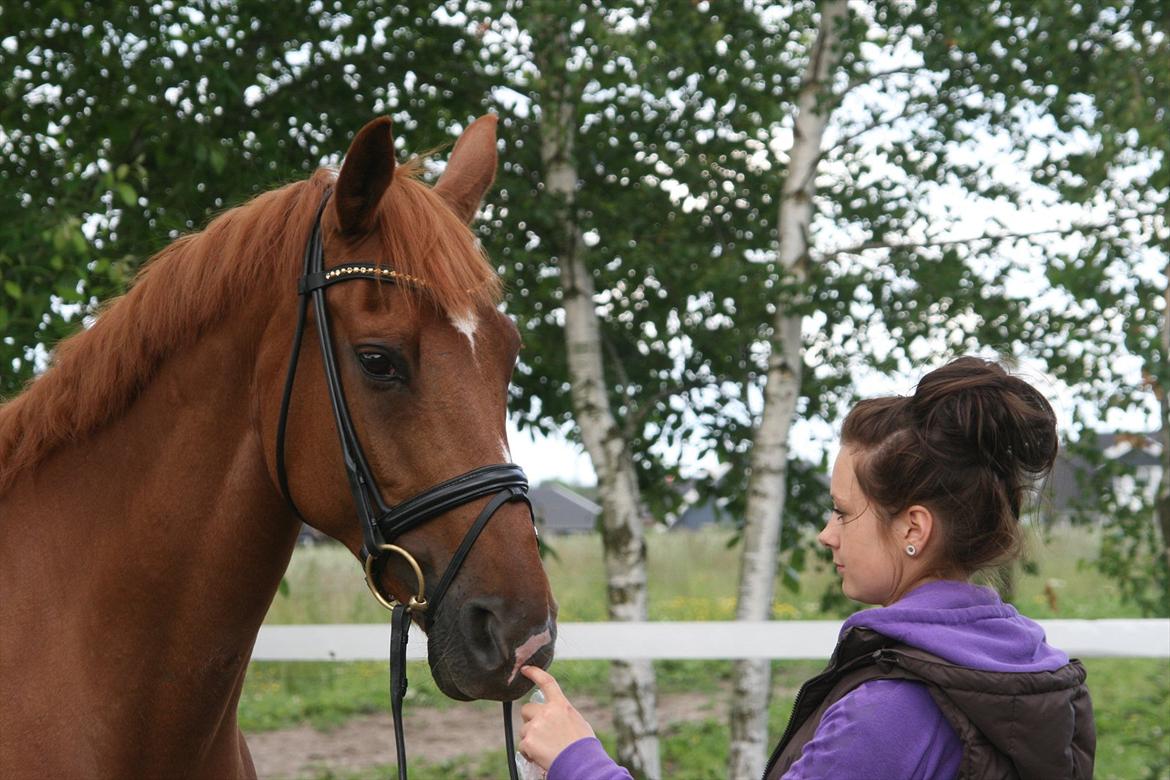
point(632, 682)
point(769, 463)
point(1163, 388)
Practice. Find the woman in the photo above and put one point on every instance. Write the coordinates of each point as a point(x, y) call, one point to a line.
point(944, 680)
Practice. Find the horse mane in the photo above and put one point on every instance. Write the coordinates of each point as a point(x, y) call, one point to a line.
point(249, 253)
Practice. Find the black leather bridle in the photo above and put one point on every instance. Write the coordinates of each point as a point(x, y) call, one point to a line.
point(382, 523)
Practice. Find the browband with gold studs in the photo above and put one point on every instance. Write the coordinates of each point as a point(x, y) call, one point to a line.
point(342, 273)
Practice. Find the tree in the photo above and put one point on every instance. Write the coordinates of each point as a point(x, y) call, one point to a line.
point(767, 483)
point(911, 90)
point(1112, 62)
point(616, 228)
point(557, 96)
point(124, 125)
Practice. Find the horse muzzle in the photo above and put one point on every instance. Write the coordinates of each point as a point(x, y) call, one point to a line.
point(476, 652)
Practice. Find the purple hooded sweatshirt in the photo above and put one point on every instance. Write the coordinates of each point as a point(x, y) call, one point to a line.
point(892, 724)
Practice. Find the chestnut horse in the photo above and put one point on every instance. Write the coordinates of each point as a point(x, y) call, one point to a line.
point(143, 529)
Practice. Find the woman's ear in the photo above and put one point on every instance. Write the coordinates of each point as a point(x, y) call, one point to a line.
point(915, 526)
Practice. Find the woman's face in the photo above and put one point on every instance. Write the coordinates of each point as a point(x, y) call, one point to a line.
point(863, 550)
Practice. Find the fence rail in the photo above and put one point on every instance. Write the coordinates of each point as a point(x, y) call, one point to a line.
point(787, 639)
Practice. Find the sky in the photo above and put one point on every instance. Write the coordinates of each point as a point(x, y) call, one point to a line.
point(545, 458)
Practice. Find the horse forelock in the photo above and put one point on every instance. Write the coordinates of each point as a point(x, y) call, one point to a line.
point(249, 253)
point(422, 237)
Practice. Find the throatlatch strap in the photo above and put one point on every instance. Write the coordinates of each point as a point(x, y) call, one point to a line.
point(285, 401)
point(294, 357)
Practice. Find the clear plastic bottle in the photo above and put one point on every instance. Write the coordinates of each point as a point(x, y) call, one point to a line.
point(527, 769)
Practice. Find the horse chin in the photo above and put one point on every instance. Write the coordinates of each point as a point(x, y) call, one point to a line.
point(482, 688)
point(449, 687)
point(457, 682)
point(458, 679)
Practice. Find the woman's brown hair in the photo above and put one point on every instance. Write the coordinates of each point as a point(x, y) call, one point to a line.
point(967, 445)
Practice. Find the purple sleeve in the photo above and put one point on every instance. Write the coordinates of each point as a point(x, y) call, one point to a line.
point(882, 728)
point(586, 759)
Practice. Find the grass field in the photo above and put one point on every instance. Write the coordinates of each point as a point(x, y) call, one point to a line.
point(692, 577)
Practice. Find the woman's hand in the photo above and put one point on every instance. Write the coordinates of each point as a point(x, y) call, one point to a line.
point(551, 727)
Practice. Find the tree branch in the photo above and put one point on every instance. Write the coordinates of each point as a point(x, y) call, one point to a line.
point(867, 246)
point(870, 78)
point(847, 139)
point(634, 422)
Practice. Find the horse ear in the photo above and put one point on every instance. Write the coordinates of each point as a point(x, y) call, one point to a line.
point(471, 169)
point(366, 173)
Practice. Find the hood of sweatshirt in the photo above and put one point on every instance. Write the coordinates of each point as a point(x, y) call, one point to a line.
point(967, 625)
point(1020, 693)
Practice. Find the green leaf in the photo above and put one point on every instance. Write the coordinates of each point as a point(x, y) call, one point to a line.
point(13, 290)
point(127, 193)
point(67, 291)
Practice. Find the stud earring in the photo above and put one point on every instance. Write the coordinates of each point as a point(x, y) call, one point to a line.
point(911, 550)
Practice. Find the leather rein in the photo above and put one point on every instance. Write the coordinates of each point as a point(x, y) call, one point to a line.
point(382, 523)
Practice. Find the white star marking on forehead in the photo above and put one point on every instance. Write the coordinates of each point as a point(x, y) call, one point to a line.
point(467, 325)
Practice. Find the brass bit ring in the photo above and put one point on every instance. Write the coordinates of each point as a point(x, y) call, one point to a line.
point(418, 602)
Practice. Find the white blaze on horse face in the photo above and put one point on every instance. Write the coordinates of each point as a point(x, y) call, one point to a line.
point(467, 325)
point(528, 649)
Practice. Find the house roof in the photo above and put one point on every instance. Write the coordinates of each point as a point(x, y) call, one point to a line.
point(557, 508)
point(698, 515)
point(1136, 450)
point(1132, 449)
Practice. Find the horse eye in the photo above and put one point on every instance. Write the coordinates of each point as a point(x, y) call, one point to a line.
point(379, 365)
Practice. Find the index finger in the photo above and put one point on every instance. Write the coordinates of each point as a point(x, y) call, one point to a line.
point(545, 681)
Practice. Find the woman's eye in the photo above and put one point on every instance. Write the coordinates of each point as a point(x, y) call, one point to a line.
point(379, 365)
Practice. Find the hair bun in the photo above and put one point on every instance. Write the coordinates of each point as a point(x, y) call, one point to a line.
point(969, 444)
point(975, 406)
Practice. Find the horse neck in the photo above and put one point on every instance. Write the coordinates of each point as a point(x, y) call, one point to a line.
point(150, 551)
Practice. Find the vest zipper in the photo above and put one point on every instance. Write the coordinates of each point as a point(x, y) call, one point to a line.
point(788, 730)
point(793, 725)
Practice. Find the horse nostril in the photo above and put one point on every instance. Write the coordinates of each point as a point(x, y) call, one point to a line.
point(484, 632)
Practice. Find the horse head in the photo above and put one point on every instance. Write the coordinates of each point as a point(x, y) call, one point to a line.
point(423, 358)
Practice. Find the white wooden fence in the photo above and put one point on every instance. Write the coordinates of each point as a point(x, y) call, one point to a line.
point(786, 639)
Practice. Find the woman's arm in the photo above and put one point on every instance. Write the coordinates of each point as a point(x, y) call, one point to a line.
point(882, 728)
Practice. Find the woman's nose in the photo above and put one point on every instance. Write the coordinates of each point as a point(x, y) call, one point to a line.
point(825, 536)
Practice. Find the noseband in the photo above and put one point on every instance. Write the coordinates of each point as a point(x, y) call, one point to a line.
point(382, 523)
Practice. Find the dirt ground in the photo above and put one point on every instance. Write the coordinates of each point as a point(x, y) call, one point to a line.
point(432, 736)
